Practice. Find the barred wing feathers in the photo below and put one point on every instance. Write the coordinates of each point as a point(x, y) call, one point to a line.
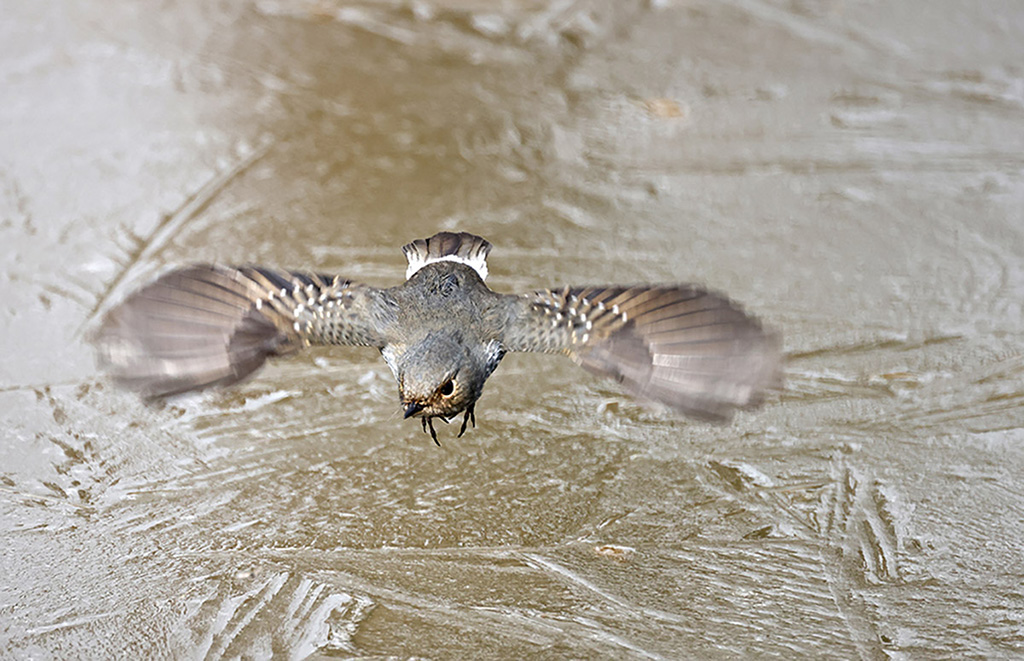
point(208, 325)
point(680, 345)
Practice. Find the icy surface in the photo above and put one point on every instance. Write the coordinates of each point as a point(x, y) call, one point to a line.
point(852, 172)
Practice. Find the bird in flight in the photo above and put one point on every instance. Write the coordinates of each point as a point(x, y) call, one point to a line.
point(442, 332)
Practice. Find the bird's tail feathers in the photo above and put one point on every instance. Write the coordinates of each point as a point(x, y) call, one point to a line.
point(463, 247)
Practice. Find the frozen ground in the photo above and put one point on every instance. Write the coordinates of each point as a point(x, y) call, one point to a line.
point(852, 171)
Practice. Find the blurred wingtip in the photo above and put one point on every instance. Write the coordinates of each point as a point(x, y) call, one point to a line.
point(690, 350)
point(192, 328)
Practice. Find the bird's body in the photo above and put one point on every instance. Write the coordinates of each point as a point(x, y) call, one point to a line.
point(447, 331)
point(442, 332)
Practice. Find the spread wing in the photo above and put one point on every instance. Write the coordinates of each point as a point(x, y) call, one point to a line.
point(210, 325)
point(679, 345)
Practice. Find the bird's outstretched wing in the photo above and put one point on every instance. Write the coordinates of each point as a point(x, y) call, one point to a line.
point(679, 345)
point(207, 325)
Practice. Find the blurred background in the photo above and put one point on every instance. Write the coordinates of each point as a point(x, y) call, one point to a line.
point(851, 171)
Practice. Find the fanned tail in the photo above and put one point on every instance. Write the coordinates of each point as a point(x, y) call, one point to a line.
point(463, 247)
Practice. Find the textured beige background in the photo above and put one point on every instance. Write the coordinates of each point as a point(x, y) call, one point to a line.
point(851, 171)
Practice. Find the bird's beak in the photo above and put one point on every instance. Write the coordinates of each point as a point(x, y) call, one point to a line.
point(412, 408)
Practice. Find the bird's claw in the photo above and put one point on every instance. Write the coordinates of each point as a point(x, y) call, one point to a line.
point(470, 415)
point(428, 423)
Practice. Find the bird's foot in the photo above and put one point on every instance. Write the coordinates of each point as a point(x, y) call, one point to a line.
point(470, 415)
point(428, 423)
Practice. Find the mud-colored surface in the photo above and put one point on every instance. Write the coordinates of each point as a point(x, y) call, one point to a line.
point(852, 171)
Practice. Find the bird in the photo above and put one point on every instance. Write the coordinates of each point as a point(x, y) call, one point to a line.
point(442, 332)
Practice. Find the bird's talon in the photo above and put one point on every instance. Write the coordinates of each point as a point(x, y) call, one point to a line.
point(428, 423)
point(470, 415)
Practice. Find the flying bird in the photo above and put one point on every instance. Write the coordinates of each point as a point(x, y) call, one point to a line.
point(442, 332)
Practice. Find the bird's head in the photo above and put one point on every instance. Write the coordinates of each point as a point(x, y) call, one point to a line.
point(438, 377)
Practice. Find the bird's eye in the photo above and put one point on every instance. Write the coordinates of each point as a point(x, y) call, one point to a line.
point(447, 388)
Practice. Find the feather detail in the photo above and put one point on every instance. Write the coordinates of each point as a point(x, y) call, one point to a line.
point(463, 248)
point(207, 325)
point(675, 344)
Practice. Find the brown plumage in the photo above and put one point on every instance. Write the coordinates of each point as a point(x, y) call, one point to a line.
point(442, 332)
